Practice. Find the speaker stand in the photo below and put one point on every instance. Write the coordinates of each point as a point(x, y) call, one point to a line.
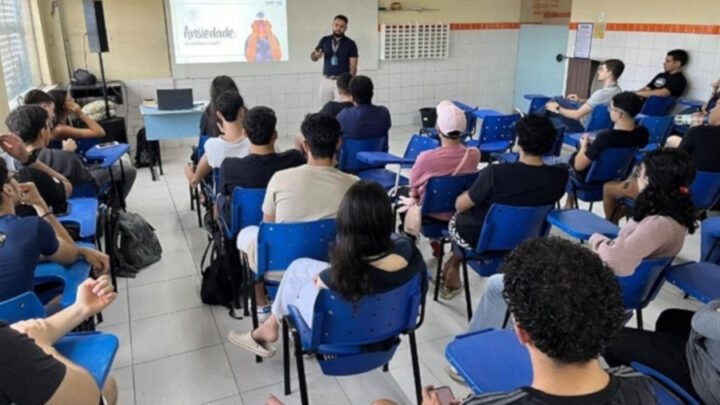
point(104, 86)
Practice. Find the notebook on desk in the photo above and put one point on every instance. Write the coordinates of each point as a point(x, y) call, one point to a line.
point(175, 99)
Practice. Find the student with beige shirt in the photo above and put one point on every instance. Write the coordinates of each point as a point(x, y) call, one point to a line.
point(305, 193)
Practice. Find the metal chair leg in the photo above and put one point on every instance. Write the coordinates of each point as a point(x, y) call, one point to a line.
point(468, 301)
point(300, 368)
point(253, 307)
point(286, 357)
point(439, 269)
point(416, 367)
point(639, 319)
point(507, 318)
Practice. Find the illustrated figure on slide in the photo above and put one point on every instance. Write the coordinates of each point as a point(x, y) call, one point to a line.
point(262, 45)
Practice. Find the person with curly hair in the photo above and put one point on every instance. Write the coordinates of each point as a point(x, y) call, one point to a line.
point(663, 214)
point(529, 182)
point(366, 259)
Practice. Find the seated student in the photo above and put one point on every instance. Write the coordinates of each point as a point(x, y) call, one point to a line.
point(529, 182)
point(25, 240)
point(232, 143)
point(702, 143)
point(333, 108)
point(306, 193)
point(256, 169)
point(366, 259)
point(663, 215)
point(566, 307)
point(573, 118)
point(685, 347)
point(671, 82)
point(209, 123)
point(64, 107)
point(625, 134)
point(365, 120)
point(33, 372)
point(451, 158)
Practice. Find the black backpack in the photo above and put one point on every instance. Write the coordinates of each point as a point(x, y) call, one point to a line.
point(145, 150)
point(222, 278)
point(135, 242)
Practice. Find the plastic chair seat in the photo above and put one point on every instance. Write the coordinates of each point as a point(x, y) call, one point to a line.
point(383, 158)
point(490, 361)
point(582, 224)
point(386, 178)
point(497, 146)
point(83, 212)
point(92, 351)
point(698, 279)
point(71, 277)
point(107, 155)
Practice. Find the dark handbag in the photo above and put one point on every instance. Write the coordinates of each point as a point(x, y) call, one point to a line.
point(83, 77)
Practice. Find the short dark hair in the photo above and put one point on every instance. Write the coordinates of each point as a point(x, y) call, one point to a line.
point(679, 55)
point(536, 134)
point(629, 102)
point(4, 176)
point(615, 66)
point(27, 121)
point(564, 297)
point(341, 17)
point(361, 89)
point(259, 124)
point(343, 83)
point(322, 133)
point(228, 104)
point(37, 96)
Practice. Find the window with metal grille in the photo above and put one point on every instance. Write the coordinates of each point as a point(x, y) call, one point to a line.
point(18, 48)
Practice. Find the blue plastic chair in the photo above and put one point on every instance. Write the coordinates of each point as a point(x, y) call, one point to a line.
point(245, 210)
point(706, 189)
point(581, 224)
point(659, 128)
point(611, 165)
point(490, 360)
point(537, 104)
point(497, 133)
point(667, 392)
point(194, 191)
point(94, 351)
point(504, 228)
point(392, 179)
point(352, 338)
point(82, 212)
point(658, 106)
point(469, 118)
point(642, 286)
point(347, 155)
point(512, 157)
point(700, 280)
point(710, 240)
point(71, 277)
point(599, 120)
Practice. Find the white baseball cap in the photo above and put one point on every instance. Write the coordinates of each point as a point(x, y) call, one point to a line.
point(450, 118)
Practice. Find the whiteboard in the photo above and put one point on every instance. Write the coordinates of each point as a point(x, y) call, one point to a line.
point(308, 21)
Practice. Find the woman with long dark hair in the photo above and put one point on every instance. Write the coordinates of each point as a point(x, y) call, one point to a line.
point(663, 214)
point(208, 121)
point(64, 107)
point(366, 260)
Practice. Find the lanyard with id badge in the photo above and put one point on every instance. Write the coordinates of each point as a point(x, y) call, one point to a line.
point(335, 45)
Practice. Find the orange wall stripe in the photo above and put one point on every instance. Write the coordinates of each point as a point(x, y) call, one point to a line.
point(668, 28)
point(478, 26)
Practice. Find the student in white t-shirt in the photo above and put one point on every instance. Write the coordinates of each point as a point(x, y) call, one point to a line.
point(233, 142)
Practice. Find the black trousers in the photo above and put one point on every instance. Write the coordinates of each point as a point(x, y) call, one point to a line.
point(662, 350)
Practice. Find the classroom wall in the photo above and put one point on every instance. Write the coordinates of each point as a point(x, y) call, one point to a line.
point(451, 11)
point(641, 33)
point(546, 12)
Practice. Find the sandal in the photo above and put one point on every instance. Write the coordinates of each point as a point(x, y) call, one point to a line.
point(449, 293)
point(247, 342)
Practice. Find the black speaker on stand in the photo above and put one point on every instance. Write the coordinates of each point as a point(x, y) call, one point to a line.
point(97, 40)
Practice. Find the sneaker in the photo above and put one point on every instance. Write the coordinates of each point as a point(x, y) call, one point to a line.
point(263, 313)
point(246, 341)
point(454, 375)
point(435, 245)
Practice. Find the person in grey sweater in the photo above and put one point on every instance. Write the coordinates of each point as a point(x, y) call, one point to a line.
point(685, 347)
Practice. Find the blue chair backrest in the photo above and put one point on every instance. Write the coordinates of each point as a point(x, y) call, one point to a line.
point(710, 240)
point(639, 288)
point(442, 191)
point(246, 208)
point(419, 144)
point(705, 189)
point(611, 164)
point(469, 117)
point(557, 146)
point(506, 226)
point(599, 119)
point(24, 306)
point(347, 160)
point(279, 244)
point(537, 104)
point(659, 127)
point(656, 106)
point(498, 128)
point(666, 390)
point(372, 319)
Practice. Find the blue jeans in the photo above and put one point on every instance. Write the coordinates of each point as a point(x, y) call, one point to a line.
point(490, 311)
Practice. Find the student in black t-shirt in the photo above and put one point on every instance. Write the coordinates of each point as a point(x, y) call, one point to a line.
point(671, 82)
point(528, 182)
point(33, 372)
point(256, 169)
point(624, 134)
point(333, 108)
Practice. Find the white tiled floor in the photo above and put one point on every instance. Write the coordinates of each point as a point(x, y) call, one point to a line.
point(173, 349)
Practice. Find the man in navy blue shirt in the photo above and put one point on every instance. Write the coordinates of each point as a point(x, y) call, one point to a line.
point(364, 120)
point(340, 56)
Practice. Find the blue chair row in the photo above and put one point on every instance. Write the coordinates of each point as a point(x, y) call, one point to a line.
point(611, 165)
point(599, 120)
point(659, 128)
point(93, 351)
point(198, 152)
point(497, 133)
point(512, 157)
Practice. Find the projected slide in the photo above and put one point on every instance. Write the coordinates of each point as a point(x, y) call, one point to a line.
point(225, 31)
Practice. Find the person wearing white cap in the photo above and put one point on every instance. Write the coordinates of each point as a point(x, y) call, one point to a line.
point(451, 158)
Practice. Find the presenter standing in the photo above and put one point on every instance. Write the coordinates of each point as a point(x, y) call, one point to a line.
point(340, 56)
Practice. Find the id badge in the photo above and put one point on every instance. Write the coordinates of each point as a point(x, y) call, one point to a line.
point(334, 60)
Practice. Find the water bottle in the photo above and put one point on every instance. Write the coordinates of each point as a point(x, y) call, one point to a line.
point(688, 119)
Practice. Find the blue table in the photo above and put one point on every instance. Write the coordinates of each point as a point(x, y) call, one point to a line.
point(92, 351)
point(482, 113)
point(698, 279)
point(690, 103)
point(71, 277)
point(170, 124)
point(382, 158)
point(490, 360)
point(533, 96)
point(107, 155)
point(582, 224)
point(83, 212)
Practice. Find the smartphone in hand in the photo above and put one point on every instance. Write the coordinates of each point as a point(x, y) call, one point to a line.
point(444, 394)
